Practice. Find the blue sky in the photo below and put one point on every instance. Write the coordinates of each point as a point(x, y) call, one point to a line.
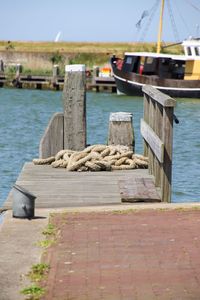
point(92, 20)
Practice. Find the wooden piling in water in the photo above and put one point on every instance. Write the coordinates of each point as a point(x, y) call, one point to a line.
point(74, 104)
point(68, 130)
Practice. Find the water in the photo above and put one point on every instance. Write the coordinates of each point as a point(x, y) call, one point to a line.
point(24, 115)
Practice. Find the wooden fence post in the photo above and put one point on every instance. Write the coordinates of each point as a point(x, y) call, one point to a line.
point(74, 104)
point(121, 130)
point(167, 136)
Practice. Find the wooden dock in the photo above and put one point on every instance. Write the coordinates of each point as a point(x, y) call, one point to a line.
point(103, 84)
point(59, 188)
point(33, 82)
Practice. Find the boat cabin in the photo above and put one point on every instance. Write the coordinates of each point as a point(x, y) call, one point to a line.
point(161, 65)
point(166, 66)
point(192, 53)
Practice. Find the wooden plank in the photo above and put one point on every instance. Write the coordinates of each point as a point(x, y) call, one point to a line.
point(153, 140)
point(158, 132)
point(146, 119)
point(167, 165)
point(74, 103)
point(52, 140)
point(158, 96)
point(60, 188)
point(138, 189)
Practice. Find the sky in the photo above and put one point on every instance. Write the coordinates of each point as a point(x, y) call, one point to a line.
point(97, 21)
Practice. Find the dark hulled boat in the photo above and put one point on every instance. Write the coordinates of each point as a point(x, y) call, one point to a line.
point(176, 75)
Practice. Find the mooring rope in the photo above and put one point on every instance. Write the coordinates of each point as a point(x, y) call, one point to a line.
point(96, 158)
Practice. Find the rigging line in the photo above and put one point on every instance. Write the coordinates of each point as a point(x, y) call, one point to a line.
point(174, 28)
point(151, 15)
point(194, 6)
point(182, 19)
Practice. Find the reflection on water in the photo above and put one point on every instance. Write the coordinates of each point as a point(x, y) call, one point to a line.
point(24, 114)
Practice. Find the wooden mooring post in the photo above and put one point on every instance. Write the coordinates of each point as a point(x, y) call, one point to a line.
point(68, 130)
point(74, 103)
point(121, 130)
point(157, 132)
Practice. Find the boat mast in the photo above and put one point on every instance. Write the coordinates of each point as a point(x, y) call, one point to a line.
point(160, 27)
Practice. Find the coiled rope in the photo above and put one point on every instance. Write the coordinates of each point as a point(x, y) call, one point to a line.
point(96, 158)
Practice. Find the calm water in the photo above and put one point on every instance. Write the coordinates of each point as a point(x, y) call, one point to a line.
point(24, 114)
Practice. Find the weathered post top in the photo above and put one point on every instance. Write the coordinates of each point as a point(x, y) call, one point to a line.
point(121, 117)
point(74, 105)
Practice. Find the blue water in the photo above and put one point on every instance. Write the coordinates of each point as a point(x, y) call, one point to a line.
point(24, 115)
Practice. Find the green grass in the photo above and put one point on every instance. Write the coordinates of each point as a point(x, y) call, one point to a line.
point(50, 233)
point(49, 230)
point(80, 47)
point(33, 292)
point(38, 272)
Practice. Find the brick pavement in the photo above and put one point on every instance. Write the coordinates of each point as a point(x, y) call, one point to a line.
point(144, 255)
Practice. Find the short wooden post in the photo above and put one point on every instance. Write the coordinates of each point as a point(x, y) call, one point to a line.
point(95, 74)
point(1, 66)
point(18, 71)
point(55, 74)
point(74, 104)
point(121, 130)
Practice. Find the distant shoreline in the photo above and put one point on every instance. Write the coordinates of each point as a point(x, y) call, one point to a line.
point(37, 57)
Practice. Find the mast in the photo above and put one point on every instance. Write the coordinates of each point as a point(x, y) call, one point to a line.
point(160, 27)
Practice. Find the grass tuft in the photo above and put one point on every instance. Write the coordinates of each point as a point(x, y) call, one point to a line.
point(34, 292)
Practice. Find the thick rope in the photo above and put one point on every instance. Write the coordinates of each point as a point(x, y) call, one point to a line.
point(96, 158)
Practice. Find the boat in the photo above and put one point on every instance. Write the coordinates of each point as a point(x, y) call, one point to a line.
point(175, 75)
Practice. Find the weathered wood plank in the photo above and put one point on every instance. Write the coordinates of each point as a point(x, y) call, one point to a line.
point(74, 103)
point(158, 131)
point(167, 165)
point(60, 188)
point(138, 189)
point(161, 98)
point(153, 140)
point(52, 140)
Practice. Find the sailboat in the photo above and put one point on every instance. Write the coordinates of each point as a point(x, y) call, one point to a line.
point(175, 75)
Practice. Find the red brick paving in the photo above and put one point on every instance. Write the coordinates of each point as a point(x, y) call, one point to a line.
point(144, 255)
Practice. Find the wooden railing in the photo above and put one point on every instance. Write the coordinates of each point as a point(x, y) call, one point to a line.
point(157, 132)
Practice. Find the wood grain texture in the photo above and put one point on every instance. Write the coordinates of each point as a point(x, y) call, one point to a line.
point(138, 189)
point(52, 140)
point(74, 104)
point(158, 96)
point(60, 188)
point(153, 140)
point(157, 131)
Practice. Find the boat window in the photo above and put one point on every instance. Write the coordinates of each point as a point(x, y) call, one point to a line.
point(189, 52)
point(129, 60)
point(196, 49)
point(149, 60)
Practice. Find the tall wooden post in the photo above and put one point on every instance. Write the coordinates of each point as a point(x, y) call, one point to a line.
point(74, 104)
